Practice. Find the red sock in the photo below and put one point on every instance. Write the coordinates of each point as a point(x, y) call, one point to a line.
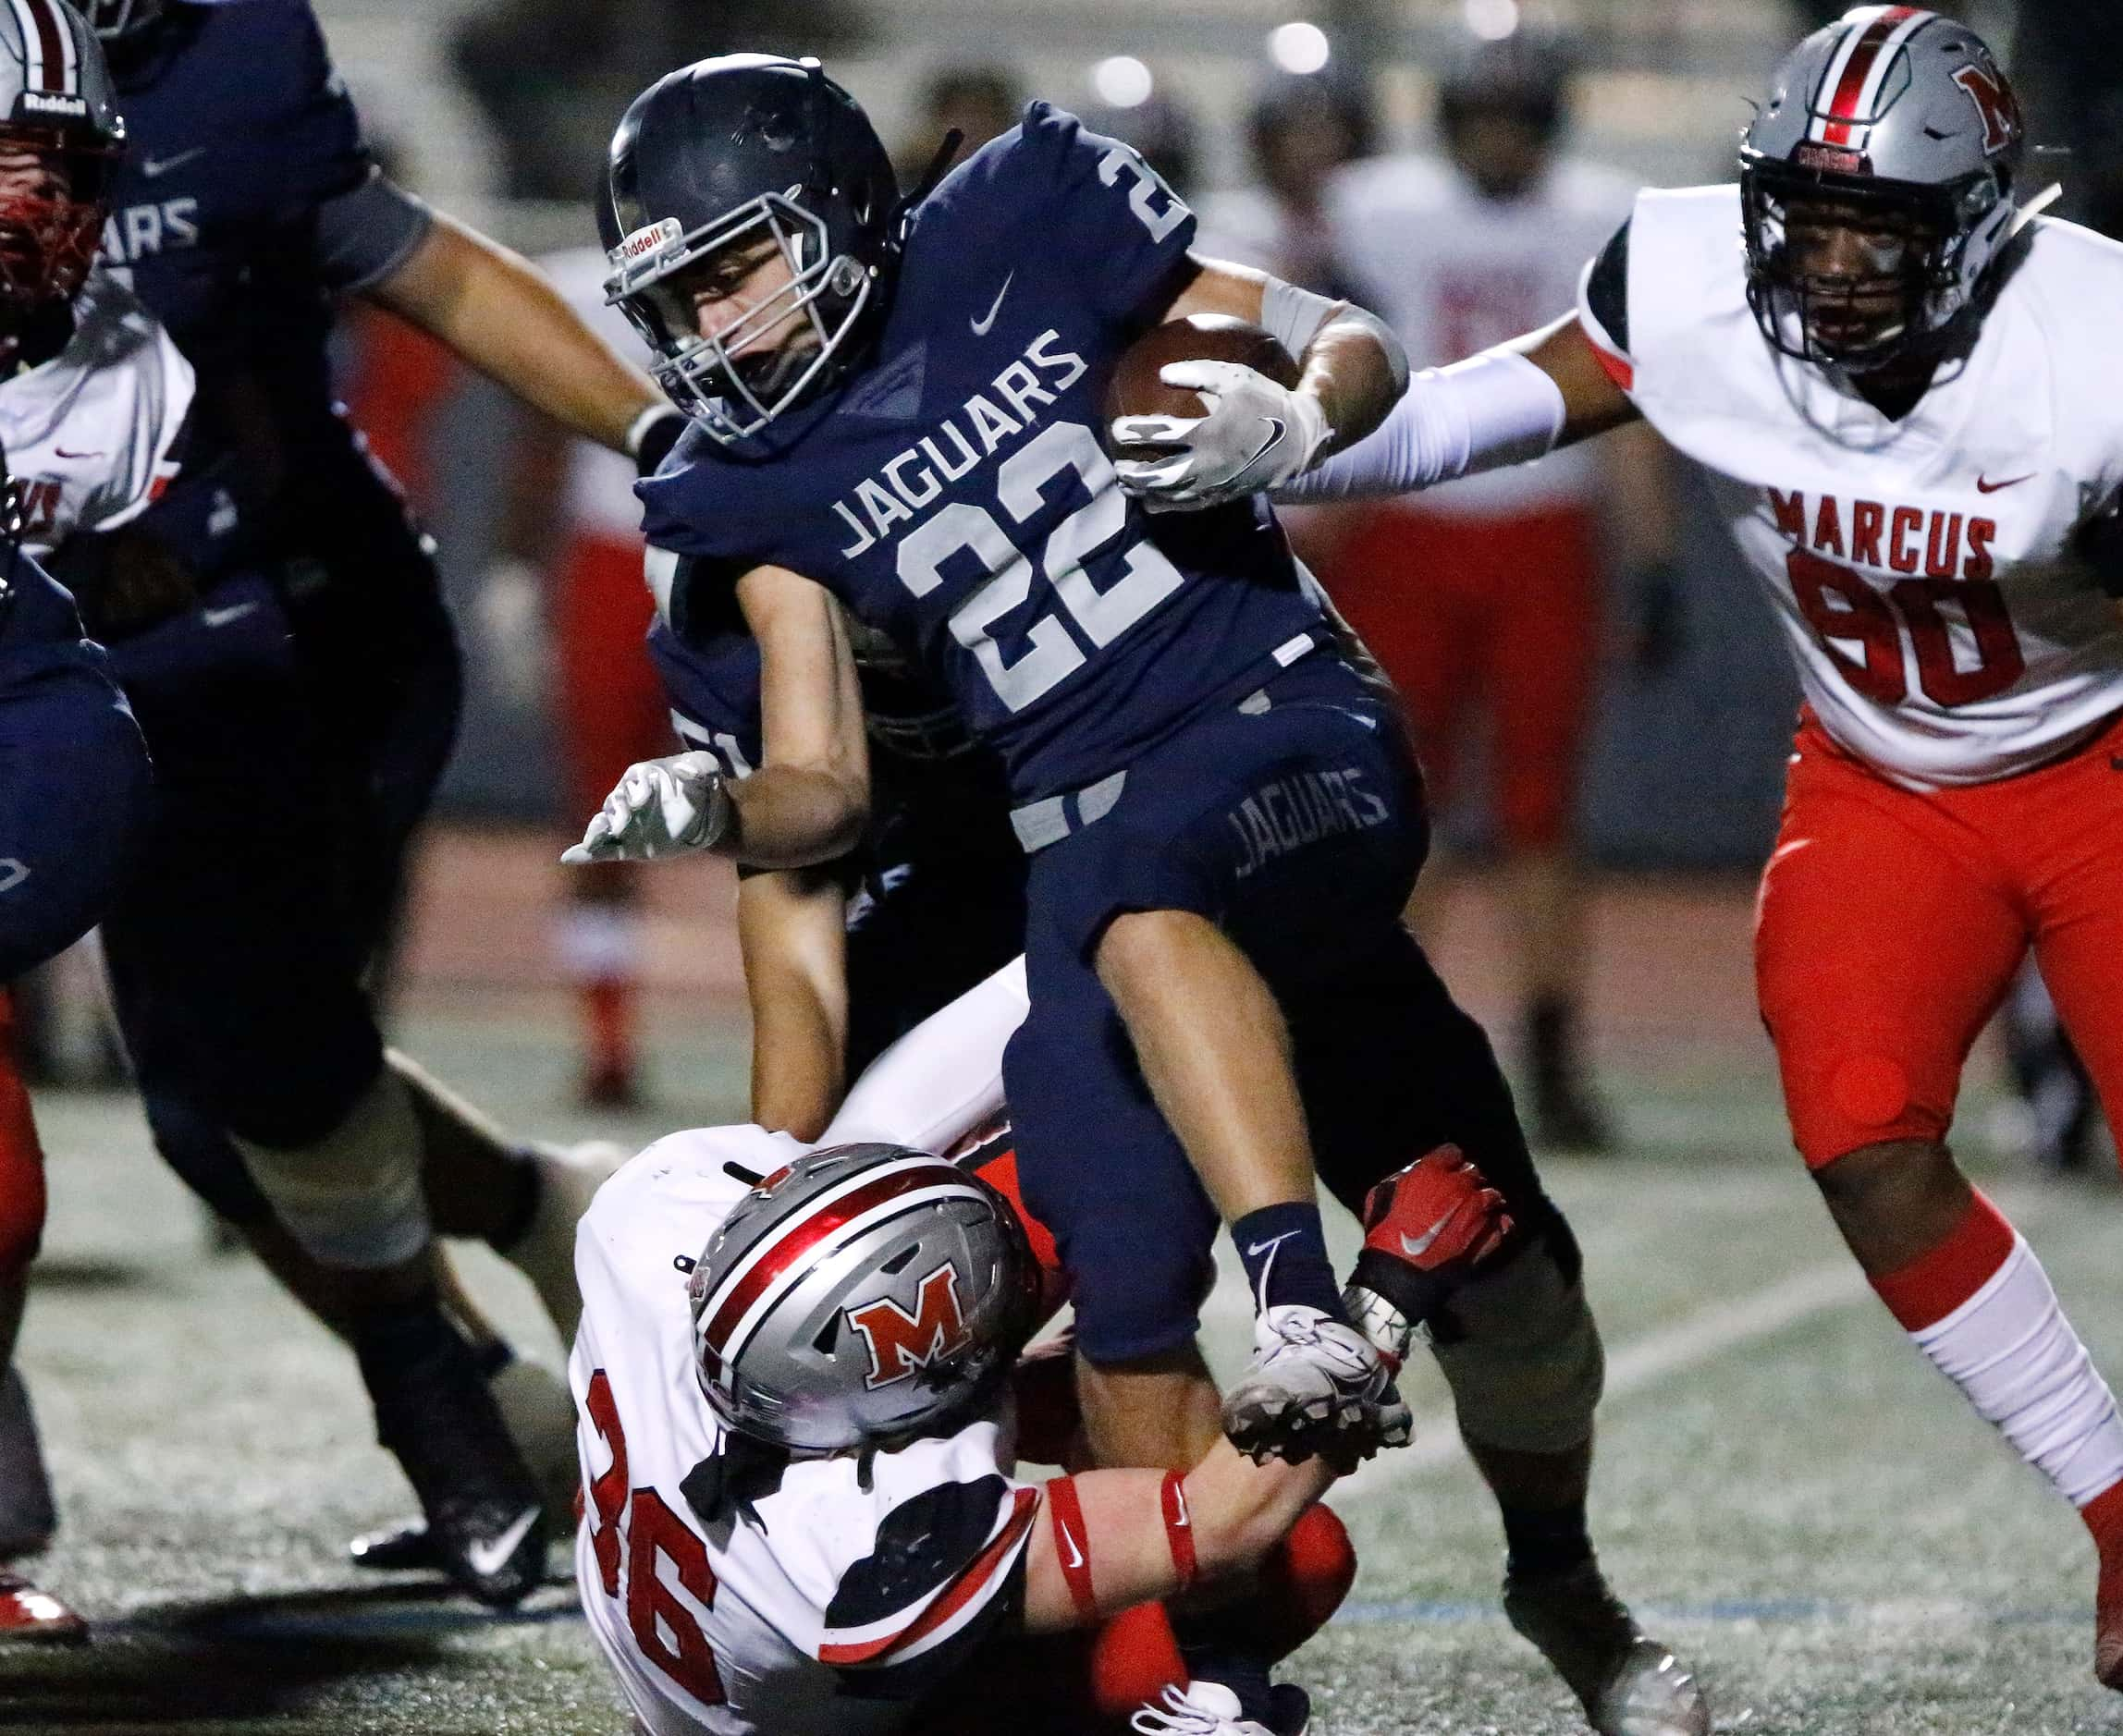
point(2103, 1517)
point(609, 1013)
point(1304, 1582)
point(1134, 1659)
point(1935, 1283)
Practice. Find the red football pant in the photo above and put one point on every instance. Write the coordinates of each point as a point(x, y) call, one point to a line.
point(21, 1163)
point(1497, 615)
point(1890, 925)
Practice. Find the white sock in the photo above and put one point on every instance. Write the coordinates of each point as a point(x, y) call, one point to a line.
point(2012, 1351)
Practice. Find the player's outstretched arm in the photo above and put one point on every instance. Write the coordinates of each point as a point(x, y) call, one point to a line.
point(1108, 1540)
point(1257, 435)
point(1505, 406)
point(811, 799)
point(498, 313)
point(792, 930)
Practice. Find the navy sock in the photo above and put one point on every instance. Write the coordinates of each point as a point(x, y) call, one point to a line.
point(1215, 1648)
point(1543, 1540)
point(1284, 1250)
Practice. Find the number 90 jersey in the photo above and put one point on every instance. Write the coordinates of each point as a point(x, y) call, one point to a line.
point(955, 495)
point(1922, 570)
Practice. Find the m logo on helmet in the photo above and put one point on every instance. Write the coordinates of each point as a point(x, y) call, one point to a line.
point(901, 1343)
point(1994, 102)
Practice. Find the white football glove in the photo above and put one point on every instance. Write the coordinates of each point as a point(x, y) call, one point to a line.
point(1257, 435)
point(667, 807)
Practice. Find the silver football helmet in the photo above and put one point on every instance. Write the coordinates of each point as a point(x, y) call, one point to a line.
point(863, 1296)
point(1878, 185)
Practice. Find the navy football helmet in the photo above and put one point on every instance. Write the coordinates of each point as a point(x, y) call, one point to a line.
point(715, 169)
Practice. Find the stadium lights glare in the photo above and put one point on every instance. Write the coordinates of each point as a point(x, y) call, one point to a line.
point(1492, 21)
point(1299, 47)
point(1123, 81)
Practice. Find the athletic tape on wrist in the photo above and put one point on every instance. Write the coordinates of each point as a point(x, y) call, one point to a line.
point(1179, 1526)
point(1071, 1543)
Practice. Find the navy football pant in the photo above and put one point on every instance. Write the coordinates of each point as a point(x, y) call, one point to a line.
point(273, 850)
point(1295, 821)
point(73, 774)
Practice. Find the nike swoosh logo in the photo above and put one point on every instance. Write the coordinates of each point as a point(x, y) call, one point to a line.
point(1180, 1503)
point(1415, 1247)
point(222, 617)
point(155, 169)
point(1276, 430)
point(1984, 486)
point(62, 452)
point(1075, 1555)
point(1259, 1248)
point(981, 328)
point(491, 1558)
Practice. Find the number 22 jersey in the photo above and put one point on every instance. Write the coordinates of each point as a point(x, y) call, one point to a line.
point(1921, 570)
point(954, 494)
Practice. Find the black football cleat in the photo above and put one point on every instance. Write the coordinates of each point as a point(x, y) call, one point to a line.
point(485, 1525)
point(1628, 1684)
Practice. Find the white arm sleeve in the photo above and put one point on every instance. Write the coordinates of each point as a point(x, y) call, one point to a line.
point(941, 1079)
point(1480, 414)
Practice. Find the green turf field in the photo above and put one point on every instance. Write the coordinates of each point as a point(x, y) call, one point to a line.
point(1795, 1502)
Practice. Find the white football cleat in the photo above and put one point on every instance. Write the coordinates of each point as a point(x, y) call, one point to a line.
point(567, 1179)
point(1208, 1708)
point(1315, 1386)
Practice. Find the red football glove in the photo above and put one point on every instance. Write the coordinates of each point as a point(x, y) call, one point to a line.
point(1426, 1229)
point(1440, 1214)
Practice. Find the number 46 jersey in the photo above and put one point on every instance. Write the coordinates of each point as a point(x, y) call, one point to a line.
point(955, 495)
point(1921, 570)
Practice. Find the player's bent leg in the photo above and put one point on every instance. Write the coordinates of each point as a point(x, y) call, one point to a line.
point(522, 1199)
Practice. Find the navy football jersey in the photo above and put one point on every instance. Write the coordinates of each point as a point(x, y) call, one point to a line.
point(238, 132)
point(955, 494)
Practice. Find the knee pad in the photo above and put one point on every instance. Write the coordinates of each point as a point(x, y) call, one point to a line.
point(352, 1198)
point(1522, 1354)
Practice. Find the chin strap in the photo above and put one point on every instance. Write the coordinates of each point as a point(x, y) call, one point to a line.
point(2034, 207)
point(932, 176)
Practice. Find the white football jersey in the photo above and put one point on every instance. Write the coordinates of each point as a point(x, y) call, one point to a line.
point(89, 433)
point(1921, 568)
point(601, 481)
point(1453, 273)
point(791, 1617)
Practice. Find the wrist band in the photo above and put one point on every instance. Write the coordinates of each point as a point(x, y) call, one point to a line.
point(1179, 1526)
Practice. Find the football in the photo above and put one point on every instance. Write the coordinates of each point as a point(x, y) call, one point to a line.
point(1135, 390)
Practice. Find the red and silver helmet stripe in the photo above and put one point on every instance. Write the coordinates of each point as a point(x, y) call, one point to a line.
point(49, 58)
point(1852, 81)
point(781, 1259)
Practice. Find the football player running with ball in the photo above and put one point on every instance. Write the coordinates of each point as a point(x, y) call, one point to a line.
point(1904, 387)
point(1221, 817)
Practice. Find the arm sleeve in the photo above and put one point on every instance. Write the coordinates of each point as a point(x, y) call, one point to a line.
point(367, 232)
point(1104, 208)
point(944, 1078)
point(1603, 309)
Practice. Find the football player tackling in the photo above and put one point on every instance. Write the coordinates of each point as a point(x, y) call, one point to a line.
point(793, 1377)
point(1904, 387)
